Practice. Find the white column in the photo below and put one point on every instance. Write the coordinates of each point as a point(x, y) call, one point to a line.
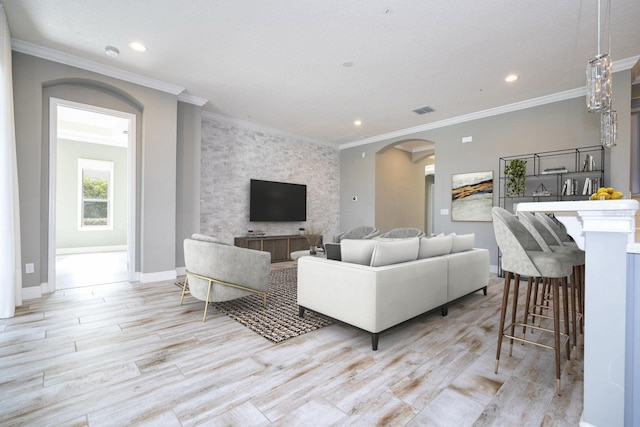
point(603, 229)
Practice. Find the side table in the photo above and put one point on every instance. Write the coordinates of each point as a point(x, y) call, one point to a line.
point(298, 254)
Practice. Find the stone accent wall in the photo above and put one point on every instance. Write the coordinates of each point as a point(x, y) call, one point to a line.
point(232, 154)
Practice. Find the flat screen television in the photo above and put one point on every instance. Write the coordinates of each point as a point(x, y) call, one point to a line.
point(277, 201)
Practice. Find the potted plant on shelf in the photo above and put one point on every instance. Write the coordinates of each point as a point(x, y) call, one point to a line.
point(314, 237)
point(515, 172)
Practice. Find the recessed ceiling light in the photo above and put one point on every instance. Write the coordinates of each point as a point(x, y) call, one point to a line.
point(111, 51)
point(358, 122)
point(511, 78)
point(137, 46)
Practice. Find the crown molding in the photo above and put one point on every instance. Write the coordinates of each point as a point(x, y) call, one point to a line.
point(192, 99)
point(624, 64)
point(548, 99)
point(261, 128)
point(621, 65)
point(96, 67)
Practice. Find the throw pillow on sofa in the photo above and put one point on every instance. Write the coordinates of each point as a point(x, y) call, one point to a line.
point(463, 242)
point(435, 246)
point(357, 251)
point(394, 252)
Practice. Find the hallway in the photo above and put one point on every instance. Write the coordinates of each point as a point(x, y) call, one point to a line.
point(97, 268)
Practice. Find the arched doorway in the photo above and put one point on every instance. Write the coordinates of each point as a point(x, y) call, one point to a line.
point(98, 103)
point(91, 157)
point(402, 190)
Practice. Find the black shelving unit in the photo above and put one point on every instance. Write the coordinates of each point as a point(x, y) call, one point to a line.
point(551, 170)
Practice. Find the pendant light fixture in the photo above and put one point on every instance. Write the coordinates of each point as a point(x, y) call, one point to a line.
point(599, 83)
point(608, 128)
point(599, 86)
point(599, 76)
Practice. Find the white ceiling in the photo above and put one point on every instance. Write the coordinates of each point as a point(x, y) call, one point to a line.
point(279, 63)
point(88, 126)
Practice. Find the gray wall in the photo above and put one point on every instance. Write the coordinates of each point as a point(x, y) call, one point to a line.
point(34, 80)
point(233, 153)
point(188, 175)
point(564, 124)
point(67, 233)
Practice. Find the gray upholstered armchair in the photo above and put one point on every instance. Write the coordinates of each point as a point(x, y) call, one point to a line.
point(362, 232)
point(221, 272)
point(402, 233)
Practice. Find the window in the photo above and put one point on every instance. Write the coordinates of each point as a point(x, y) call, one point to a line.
point(95, 194)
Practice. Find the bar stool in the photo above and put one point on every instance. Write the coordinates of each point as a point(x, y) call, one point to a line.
point(559, 232)
point(522, 255)
point(548, 240)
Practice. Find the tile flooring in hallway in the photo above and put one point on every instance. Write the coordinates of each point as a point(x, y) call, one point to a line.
point(88, 269)
point(128, 354)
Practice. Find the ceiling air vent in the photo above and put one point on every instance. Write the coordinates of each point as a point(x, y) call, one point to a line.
point(423, 110)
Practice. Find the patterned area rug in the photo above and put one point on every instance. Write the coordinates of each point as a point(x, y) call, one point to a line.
point(279, 321)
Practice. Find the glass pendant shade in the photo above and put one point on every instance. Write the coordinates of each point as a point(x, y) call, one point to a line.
point(599, 83)
point(608, 128)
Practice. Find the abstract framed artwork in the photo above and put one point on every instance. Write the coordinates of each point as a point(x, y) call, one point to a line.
point(471, 196)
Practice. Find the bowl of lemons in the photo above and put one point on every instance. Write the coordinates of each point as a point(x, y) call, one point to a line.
point(606, 193)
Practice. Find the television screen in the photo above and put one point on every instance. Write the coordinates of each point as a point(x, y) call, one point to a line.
point(277, 201)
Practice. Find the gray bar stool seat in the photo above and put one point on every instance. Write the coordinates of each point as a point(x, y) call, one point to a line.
point(549, 240)
point(522, 255)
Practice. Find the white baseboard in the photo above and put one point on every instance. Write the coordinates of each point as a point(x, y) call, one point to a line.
point(34, 292)
point(583, 423)
point(31, 292)
point(158, 276)
point(181, 271)
point(90, 249)
point(493, 269)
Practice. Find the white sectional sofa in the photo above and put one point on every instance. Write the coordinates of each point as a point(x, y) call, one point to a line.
point(381, 283)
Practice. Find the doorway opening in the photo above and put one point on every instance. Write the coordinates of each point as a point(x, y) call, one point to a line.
point(403, 188)
point(91, 195)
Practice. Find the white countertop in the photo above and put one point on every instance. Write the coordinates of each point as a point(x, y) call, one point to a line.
point(591, 215)
point(633, 248)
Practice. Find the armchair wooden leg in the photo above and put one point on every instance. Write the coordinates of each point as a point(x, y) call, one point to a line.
point(300, 311)
point(374, 341)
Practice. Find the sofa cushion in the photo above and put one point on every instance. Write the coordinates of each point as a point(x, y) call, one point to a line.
point(206, 238)
point(332, 251)
point(463, 242)
point(435, 246)
point(357, 251)
point(394, 252)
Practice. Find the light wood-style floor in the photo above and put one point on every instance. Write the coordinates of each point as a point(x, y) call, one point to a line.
point(90, 269)
point(128, 354)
